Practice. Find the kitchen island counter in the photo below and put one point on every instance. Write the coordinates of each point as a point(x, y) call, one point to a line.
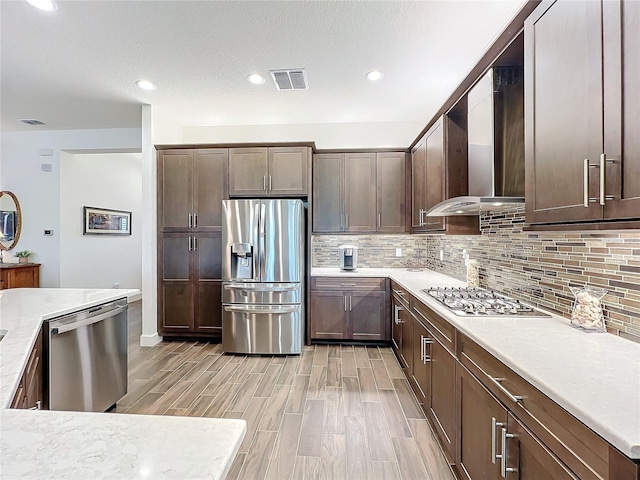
point(55, 444)
point(595, 377)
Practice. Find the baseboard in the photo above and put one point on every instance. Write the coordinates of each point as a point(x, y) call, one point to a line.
point(150, 340)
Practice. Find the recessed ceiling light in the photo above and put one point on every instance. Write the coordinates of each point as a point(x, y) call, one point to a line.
point(459, 212)
point(256, 79)
point(373, 75)
point(145, 85)
point(47, 5)
point(497, 204)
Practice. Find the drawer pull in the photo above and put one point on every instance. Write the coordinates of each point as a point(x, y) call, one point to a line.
point(494, 425)
point(348, 284)
point(399, 293)
point(396, 315)
point(503, 458)
point(496, 381)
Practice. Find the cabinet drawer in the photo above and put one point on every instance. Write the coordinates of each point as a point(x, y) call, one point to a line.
point(400, 293)
point(439, 327)
point(582, 450)
point(349, 283)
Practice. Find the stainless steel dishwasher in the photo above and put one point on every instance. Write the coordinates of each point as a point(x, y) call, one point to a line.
point(87, 358)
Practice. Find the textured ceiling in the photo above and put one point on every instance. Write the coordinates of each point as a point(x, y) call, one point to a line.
point(76, 67)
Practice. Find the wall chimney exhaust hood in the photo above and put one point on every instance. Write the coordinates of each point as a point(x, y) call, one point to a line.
point(495, 128)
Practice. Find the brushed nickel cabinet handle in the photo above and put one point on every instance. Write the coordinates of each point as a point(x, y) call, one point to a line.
point(190, 247)
point(190, 221)
point(270, 183)
point(585, 182)
point(195, 220)
point(512, 397)
point(379, 221)
point(494, 447)
point(195, 244)
point(350, 297)
point(396, 315)
point(503, 458)
point(264, 183)
point(345, 303)
point(603, 178)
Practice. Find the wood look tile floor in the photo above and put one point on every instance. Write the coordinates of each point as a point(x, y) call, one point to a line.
point(334, 412)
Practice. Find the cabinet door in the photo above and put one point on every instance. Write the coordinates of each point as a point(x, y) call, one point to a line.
point(175, 292)
point(208, 284)
point(210, 180)
point(421, 362)
point(406, 352)
point(175, 187)
point(366, 315)
point(442, 405)
point(23, 277)
point(328, 199)
point(33, 377)
point(563, 111)
point(360, 192)
point(622, 107)
point(477, 444)
point(396, 328)
point(529, 459)
point(434, 176)
point(328, 315)
point(418, 184)
point(248, 172)
point(391, 191)
point(288, 171)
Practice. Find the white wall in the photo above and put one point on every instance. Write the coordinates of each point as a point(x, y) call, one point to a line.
point(111, 181)
point(39, 192)
point(326, 135)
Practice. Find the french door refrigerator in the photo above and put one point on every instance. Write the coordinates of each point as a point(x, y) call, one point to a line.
point(263, 249)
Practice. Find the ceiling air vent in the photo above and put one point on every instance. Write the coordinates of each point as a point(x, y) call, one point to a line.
point(290, 79)
point(32, 121)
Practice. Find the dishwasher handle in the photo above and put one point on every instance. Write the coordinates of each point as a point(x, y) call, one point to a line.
point(87, 321)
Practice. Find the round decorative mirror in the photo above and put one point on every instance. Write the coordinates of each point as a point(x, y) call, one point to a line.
point(10, 220)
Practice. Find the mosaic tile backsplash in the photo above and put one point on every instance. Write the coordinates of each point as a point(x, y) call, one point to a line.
point(538, 267)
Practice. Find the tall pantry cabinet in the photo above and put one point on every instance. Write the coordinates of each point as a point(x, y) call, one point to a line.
point(191, 186)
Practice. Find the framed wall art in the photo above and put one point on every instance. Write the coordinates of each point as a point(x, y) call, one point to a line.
point(101, 221)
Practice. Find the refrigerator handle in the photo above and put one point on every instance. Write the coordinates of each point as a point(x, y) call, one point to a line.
point(262, 240)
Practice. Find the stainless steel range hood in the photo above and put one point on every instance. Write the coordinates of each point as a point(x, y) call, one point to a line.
point(495, 128)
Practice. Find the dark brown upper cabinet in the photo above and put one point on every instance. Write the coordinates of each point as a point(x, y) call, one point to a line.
point(438, 172)
point(268, 172)
point(582, 148)
point(359, 192)
point(191, 187)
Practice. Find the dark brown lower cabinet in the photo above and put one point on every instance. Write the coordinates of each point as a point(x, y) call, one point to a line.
point(421, 374)
point(433, 377)
point(401, 332)
point(355, 310)
point(29, 393)
point(494, 444)
point(190, 283)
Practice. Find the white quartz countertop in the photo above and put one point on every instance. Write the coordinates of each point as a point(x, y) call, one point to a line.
point(594, 376)
point(44, 444)
point(54, 444)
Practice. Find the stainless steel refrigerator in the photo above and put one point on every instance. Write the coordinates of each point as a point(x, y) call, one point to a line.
point(263, 250)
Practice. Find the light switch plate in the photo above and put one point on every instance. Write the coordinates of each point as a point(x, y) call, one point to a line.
point(398, 252)
point(442, 255)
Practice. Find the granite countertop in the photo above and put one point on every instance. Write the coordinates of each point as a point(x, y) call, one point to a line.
point(595, 377)
point(48, 444)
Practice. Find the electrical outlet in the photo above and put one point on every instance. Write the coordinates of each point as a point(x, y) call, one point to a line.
point(398, 252)
point(116, 285)
point(441, 255)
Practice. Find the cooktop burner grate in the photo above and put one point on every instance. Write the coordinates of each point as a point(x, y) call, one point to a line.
point(477, 302)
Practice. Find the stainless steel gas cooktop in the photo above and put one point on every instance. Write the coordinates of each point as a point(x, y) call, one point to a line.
point(477, 302)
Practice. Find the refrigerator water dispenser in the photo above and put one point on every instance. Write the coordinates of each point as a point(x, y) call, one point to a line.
point(242, 261)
